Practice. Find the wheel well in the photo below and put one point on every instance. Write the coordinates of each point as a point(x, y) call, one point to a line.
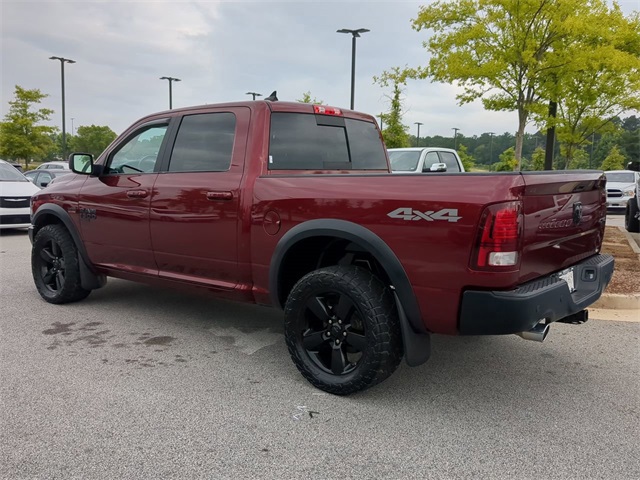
point(322, 251)
point(46, 219)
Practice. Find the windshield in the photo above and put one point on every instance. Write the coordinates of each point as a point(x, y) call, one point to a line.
point(9, 173)
point(404, 161)
point(620, 177)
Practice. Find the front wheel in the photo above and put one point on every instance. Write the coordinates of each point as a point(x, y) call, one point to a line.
point(54, 265)
point(342, 329)
point(631, 221)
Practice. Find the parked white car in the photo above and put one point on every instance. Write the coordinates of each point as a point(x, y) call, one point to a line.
point(621, 185)
point(424, 160)
point(15, 196)
point(53, 166)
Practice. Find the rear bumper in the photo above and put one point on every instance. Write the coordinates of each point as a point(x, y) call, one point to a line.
point(519, 310)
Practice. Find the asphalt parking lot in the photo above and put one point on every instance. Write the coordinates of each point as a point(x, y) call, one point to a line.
point(136, 382)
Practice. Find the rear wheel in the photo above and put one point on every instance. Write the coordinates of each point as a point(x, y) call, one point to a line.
point(631, 221)
point(54, 265)
point(342, 329)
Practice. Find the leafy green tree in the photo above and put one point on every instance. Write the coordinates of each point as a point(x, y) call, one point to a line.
point(507, 52)
point(537, 159)
point(395, 133)
point(92, 139)
point(467, 160)
point(306, 98)
point(22, 138)
point(595, 84)
point(614, 161)
point(508, 161)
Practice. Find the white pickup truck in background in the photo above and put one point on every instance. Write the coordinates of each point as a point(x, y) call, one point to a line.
point(424, 160)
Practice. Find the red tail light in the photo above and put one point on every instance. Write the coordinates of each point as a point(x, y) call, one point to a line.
point(327, 110)
point(498, 242)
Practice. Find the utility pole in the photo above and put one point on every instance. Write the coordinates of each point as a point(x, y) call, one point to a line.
point(455, 138)
point(418, 136)
point(64, 131)
point(171, 80)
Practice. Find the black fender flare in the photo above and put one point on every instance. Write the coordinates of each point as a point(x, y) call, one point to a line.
point(89, 277)
point(415, 336)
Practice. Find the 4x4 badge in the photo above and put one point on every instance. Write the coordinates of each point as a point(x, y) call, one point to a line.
point(408, 213)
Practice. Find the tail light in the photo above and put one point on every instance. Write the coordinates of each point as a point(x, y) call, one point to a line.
point(321, 109)
point(498, 241)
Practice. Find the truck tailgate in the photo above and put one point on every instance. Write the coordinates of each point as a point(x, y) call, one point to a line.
point(564, 220)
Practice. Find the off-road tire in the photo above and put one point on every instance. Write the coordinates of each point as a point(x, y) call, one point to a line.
point(372, 319)
point(631, 223)
point(54, 265)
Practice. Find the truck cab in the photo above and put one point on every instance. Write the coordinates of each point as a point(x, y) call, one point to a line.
point(424, 160)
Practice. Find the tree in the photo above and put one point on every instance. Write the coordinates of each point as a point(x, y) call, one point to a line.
point(92, 139)
point(614, 161)
point(508, 161)
point(466, 159)
point(537, 159)
point(505, 52)
point(306, 98)
point(395, 133)
point(596, 84)
point(21, 136)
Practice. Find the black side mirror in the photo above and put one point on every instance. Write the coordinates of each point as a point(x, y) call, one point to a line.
point(81, 163)
point(633, 166)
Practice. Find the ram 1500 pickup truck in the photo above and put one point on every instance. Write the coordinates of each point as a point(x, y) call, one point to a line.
point(294, 206)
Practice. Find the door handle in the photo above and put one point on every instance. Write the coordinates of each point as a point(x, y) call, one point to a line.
point(137, 193)
point(219, 195)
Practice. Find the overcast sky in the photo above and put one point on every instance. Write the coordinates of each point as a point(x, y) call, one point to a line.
point(221, 50)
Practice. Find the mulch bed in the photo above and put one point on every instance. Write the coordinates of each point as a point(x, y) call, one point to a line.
point(626, 276)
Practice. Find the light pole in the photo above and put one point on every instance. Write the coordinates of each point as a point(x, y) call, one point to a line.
point(491, 150)
point(455, 137)
point(64, 131)
point(254, 94)
point(593, 137)
point(355, 34)
point(72, 132)
point(171, 80)
point(381, 121)
point(418, 136)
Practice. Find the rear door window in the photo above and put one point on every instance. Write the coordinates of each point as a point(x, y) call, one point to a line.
point(301, 141)
point(450, 160)
point(204, 143)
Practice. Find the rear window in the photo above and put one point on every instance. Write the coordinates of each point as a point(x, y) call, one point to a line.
point(301, 141)
point(404, 160)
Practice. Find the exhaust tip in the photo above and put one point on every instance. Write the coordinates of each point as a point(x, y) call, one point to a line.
point(536, 334)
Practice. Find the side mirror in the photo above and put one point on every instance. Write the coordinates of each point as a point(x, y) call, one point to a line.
point(633, 166)
point(81, 163)
point(438, 167)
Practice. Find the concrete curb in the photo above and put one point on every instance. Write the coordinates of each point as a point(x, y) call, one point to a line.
point(632, 243)
point(614, 301)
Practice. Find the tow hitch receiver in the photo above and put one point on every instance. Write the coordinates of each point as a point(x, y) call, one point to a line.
point(576, 319)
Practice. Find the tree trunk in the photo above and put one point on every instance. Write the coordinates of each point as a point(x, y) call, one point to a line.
point(522, 122)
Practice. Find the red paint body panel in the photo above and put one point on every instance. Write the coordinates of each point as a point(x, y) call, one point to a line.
point(218, 231)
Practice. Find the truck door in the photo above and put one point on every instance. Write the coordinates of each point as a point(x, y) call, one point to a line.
point(194, 218)
point(114, 207)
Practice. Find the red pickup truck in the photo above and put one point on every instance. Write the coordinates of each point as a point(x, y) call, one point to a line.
point(294, 205)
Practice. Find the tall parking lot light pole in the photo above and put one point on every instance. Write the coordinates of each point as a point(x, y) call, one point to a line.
point(355, 34)
point(491, 150)
point(455, 137)
point(64, 131)
point(171, 80)
point(254, 94)
point(418, 136)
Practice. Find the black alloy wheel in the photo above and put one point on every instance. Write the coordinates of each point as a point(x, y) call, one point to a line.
point(342, 329)
point(55, 266)
point(335, 335)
